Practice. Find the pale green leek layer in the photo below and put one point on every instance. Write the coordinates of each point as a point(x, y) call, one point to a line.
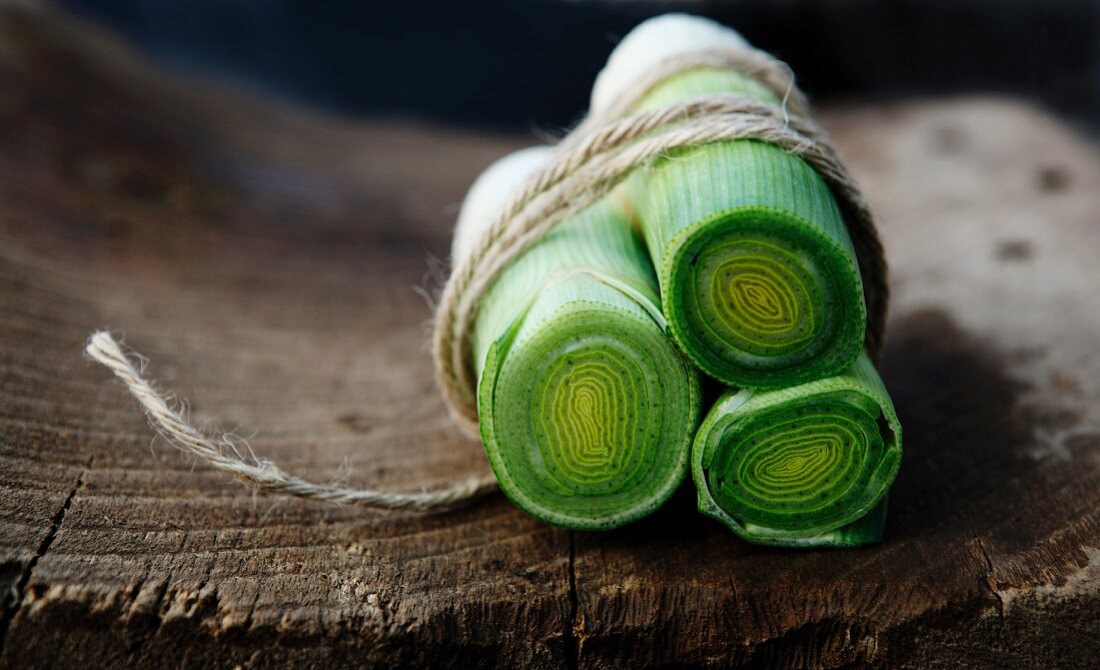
point(806, 466)
point(587, 409)
point(757, 273)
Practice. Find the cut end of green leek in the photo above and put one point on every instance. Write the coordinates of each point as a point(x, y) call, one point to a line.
point(758, 277)
point(587, 424)
point(587, 409)
point(806, 466)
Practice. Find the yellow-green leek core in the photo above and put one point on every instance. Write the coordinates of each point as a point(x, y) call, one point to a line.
point(587, 409)
point(758, 276)
point(804, 466)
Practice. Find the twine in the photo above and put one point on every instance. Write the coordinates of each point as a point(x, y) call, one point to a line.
point(589, 162)
point(261, 473)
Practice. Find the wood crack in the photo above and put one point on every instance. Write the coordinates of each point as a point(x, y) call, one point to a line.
point(136, 647)
point(209, 568)
point(572, 643)
point(247, 624)
point(20, 589)
point(989, 583)
point(740, 625)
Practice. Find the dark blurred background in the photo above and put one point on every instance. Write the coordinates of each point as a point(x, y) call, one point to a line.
point(530, 63)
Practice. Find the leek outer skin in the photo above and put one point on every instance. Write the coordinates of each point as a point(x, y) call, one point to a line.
point(808, 466)
point(758, 275)
point(586, 407)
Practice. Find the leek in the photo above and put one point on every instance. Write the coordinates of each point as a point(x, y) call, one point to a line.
point(758, 275)
point(806, 466)
point(586, 408)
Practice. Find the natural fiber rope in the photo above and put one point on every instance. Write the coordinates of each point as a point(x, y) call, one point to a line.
point(262, 473)
point(595, 157)
point(601, 152)
point(773, 73)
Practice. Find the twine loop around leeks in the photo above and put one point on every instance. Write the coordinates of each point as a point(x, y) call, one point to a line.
point(603, 150)
point(588, 163)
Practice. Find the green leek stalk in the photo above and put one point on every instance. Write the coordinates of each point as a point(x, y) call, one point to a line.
point(758, 276)
point(586, 408)
point(806, 466)
point(760, 284)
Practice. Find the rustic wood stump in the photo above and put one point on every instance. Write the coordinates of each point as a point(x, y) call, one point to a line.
point(265, 259)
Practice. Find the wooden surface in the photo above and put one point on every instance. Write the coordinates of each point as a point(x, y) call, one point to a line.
point(265, 260)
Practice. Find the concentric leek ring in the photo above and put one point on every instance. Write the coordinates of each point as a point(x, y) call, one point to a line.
point(588, 424)
point(758, 275)
point(760, 299)
point(794, 466)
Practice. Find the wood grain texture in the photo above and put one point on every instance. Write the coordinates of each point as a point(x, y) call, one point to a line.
point(265, 259)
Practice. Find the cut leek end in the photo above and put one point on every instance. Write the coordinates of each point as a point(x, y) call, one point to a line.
point(759, 299)
point(588, 425)
point(808, 466)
